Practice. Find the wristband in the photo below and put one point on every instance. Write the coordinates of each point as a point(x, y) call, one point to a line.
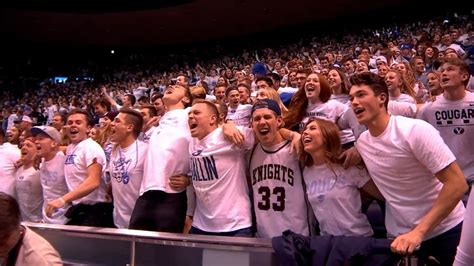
point(63, 201)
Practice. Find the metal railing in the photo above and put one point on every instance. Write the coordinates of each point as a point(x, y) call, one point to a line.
point(79, 245)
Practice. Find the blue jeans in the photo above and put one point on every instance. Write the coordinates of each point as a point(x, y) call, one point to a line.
point(244, 232)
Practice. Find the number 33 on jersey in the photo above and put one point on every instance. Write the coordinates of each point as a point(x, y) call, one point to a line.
point(278, 194)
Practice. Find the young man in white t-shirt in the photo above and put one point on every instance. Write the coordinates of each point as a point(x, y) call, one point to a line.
point(238, 113)
point(48, 140)
point(51, 110)
point(218, 175)
point(275, 176)
point(162, 202)
point(452, 114)
point(126, 164)
point(414, 170)
point(9, 155)
point(83, 169)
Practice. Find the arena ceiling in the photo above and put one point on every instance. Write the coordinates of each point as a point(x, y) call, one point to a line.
point(146, 22)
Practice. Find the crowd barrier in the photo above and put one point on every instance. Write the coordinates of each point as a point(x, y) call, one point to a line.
point(93, 246)
point(79, 245)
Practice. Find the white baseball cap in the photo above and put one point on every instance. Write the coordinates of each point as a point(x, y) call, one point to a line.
point(47, 130)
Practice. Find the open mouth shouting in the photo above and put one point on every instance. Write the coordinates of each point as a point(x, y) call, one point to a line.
point(307, 140)
point(73, 132)
point(358, 111)
point(310, 88)
point(264, 131)
point(192, 123)
point(444, 80)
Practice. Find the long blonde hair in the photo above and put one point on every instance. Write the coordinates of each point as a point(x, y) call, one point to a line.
point(273, 94)
point(404, 85)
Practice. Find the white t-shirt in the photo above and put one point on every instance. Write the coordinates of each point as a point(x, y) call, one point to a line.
point(78, 158)
point(51, 111)
point(335, 198)
point(403, 98)
point(240, 115)
point(11, 120)
point(218, 170)
point(139, 92)
point(9, 155)
point(465, 251)
point(30, 194)
point(402, 108)
point(54, 186)
point(342, 98)
point(331, 110)
point(278, 194)
point(107, 151)
point(355, 127)
point(455, 122)
point(210, 98)
point(211, 82)
point(287, 90)
point(126, 172)
point(145, 136)
point(169, 154)
point(402, 162)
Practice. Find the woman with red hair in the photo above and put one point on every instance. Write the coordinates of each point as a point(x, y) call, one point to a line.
point(313, 100)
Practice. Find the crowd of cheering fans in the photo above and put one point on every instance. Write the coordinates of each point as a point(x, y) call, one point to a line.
point(303, 136)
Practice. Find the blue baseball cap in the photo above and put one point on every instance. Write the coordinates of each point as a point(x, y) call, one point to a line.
point(406, 46)
point(267, 104)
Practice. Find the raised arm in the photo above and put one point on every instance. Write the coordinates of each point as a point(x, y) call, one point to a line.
point(108, 98)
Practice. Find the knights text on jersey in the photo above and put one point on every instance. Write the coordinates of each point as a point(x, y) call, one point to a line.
point(278, 193)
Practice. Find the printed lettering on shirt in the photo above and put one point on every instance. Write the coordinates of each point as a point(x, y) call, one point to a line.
point(69, 159)
point(144, 137)
point(320, 187)
point(204, 168)
point(316, 114)
point(48, 176)
point(309, 115)
point(456, 118)
point(275, 172)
